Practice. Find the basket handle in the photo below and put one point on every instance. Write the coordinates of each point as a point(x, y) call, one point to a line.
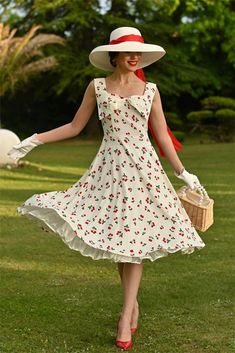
point(202, 191)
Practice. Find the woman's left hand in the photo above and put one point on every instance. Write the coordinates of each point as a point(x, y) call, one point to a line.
point(190, 179)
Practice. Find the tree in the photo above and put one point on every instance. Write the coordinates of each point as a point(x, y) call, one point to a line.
point(21, 57)
point(198, 38)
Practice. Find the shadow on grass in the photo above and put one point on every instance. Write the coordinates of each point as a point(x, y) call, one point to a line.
point(47, 179)
point(21, 195)
point(44, 172)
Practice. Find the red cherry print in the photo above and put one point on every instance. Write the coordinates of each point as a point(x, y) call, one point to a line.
point(135, 195)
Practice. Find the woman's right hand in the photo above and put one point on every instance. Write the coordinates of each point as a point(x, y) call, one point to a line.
point(22, 148)
point(62, 132)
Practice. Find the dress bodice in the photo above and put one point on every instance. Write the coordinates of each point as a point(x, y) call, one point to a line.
point(124, 117)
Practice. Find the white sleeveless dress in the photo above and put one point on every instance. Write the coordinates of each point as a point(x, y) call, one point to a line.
point(124, 208)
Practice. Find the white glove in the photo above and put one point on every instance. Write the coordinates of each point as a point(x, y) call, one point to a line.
point(23, 147)
point(190, 179)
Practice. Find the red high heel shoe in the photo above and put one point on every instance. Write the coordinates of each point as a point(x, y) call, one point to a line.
point(125, 345)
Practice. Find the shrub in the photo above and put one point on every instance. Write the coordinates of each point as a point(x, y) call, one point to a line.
point(173, 120)
point(225, 114)
point(180, 135)
point(216, 102)
point(216, 119)
point(200, 115)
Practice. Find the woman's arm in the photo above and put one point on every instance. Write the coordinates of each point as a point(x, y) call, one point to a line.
point(77, 124)
point(159, 126)
point(61, 133)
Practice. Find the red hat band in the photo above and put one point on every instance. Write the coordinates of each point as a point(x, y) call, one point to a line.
point(127, 38)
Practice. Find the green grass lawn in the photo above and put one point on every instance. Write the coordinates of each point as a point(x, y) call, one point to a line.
point(54, 300)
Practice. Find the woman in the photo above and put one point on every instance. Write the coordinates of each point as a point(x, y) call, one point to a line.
point(124, 207)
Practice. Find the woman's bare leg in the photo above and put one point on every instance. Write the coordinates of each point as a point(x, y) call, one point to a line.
point(131, 277)
point(120, 268)
point(135, 312)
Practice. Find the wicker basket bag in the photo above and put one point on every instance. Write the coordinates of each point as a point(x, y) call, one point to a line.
point(198, 206)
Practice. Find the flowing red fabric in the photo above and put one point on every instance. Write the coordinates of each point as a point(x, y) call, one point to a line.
point(140, 73)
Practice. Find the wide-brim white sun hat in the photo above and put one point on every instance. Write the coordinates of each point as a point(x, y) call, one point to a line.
point(125, 39)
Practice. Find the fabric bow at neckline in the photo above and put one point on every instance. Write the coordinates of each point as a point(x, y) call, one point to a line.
point(139, 103)
point(136, 101)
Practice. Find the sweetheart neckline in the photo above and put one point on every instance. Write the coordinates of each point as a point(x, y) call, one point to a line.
point(122, 97)
point(133, 95)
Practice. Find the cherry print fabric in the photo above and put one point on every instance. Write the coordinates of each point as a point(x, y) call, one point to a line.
point(124, 208)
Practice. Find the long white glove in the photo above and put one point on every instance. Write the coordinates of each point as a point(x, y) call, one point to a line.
point(190, 179)
point(22, 148)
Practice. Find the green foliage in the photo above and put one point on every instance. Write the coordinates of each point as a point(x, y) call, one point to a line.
point(200, 115)
point(173, 120)
point(180, 135)
point(197, 35)
point(217, 102)
point(225, 114)
point(208, 30)
point(21, 57)
point(218, 123)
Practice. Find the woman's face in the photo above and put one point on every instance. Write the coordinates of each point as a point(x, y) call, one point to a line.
point(128, 60)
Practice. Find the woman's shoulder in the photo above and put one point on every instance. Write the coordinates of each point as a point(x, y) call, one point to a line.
point(97, 79)
point(150, 83)
point(151, 87)
point(98, 85)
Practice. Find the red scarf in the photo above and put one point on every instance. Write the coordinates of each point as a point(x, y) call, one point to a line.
point(140, 73)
